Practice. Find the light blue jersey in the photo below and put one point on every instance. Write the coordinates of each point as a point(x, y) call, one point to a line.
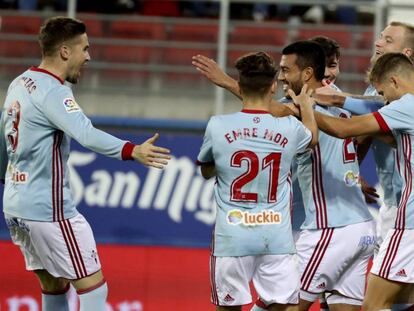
point(39, 117)
point(253, 152)
point(328, 177)
point(398, 118)
point(384, 156)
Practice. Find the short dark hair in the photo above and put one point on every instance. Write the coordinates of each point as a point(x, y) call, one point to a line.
point(389, 63)
point(309, 54)
point(329, 46)
point(257, 72)
point(57, 30)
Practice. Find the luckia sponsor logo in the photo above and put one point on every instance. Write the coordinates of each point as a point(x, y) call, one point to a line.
point(237, 217)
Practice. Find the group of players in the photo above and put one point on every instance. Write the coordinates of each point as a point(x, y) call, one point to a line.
point(251, 152)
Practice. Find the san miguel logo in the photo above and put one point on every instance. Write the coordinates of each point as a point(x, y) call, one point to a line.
point(267, 217)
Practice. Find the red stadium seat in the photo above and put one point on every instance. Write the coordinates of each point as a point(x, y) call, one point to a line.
point(20, 24)
point(354, 64)
point(343, 37)
point(183, 56)
point(126, 54)
point(137, 30)
point(233, 55)
point(19, 48)
point(189, 32)
point(366, 40)
point(94, 27)
point(260, 36)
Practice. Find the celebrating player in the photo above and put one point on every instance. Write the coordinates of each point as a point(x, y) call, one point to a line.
point(250, 153)
point(39, 117)
point(393, 269)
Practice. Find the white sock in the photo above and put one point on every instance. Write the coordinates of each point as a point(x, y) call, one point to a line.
point(55, 301)
point(94, 299)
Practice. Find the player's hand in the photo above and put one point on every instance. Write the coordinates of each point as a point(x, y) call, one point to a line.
point(304, 98)
point(211, 70)
point(151, 155)
point(370, 193)
point(328, 96)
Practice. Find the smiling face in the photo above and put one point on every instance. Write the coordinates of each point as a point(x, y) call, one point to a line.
point(78, 56)
point(290, 74)
point(392, 39)
point(332, 69)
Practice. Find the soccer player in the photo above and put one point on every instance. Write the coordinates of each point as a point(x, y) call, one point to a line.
point(39, 117)
point(396, 37)
point(337, 219)
point(250, 153)
point(332, 53)
point(393, 78)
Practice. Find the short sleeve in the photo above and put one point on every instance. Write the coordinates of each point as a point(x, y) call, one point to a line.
point(206, 151)
point(398, 115)
point(361, 106)
point(303, 134)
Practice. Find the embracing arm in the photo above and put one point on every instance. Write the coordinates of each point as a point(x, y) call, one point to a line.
point(344, 128)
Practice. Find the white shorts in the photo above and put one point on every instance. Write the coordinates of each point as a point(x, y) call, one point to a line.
point(65, 249)
point(335, 259)
point(385, 222)
point(395, 259)
point(275, 278)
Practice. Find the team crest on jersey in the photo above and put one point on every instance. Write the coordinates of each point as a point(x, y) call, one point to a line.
point(237, 217)
point(351, 179)
point(71, 105)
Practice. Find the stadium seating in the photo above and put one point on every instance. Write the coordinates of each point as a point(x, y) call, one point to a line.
point(193, 32)
point(258, 36)
point(137, 30)
point(343, 37)
point(20, 24)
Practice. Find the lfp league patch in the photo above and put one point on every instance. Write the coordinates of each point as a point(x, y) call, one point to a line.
point(71, 105)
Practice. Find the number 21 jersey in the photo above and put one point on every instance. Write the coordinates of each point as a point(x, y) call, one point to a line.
point(252, 152)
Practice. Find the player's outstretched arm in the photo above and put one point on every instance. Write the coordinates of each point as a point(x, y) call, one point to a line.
point(344, 128)
point(328, 96)
point(306, 103)
point(151, 155)
point(211, 70)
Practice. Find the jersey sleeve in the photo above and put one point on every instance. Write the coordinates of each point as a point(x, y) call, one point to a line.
point(397, 116)
point(361, 106)
point(205, 155)
point(303, 134)
point(62, 111)
point(3, 150)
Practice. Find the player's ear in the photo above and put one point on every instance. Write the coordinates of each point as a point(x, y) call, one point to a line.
point(408, 52)
point(307, 74)
point(274, 87)
point(394, 81)
point(64, 51)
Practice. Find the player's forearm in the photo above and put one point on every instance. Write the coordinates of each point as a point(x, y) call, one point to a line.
point(231, 85)
point(337, 127)
point(309, 121)
point(363, 145)
point(280, 110)
point(365, 105)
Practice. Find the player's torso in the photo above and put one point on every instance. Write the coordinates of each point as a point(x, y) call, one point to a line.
point(328, 177)
point(384, 156)
point(253, 154)
point(37, 185)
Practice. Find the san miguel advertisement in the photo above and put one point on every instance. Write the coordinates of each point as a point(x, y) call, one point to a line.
point(153, 229)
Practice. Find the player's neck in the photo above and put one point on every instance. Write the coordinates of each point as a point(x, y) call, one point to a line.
point(53, 67)
point(256, 105)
